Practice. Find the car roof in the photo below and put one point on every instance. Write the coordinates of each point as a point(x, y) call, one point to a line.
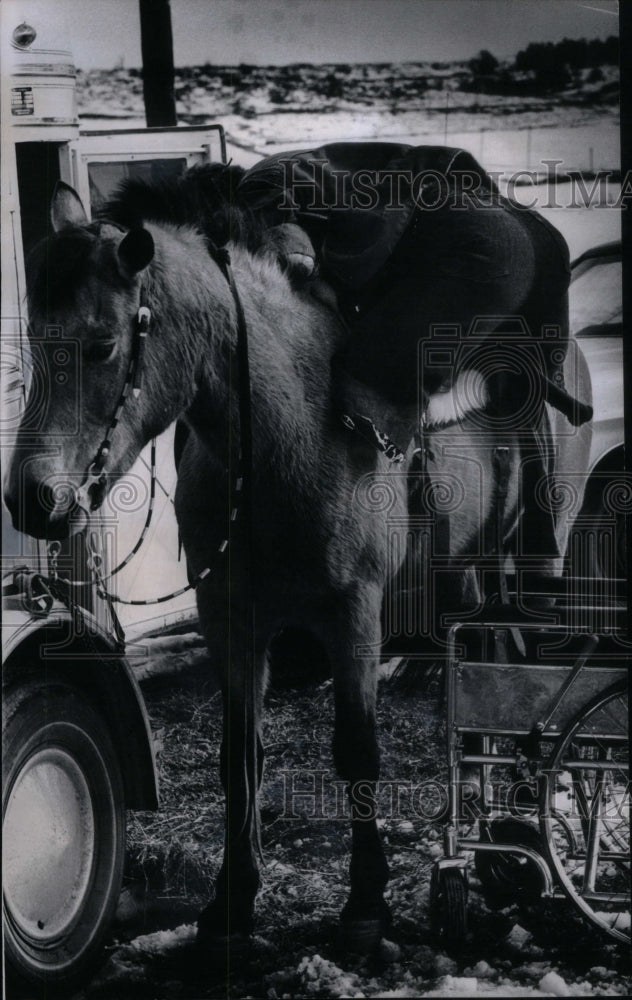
point(595, 307)
point(604, 253)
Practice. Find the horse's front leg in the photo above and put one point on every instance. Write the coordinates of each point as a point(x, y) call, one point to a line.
point(365, 916)
point(227, 623)
point(225, 924)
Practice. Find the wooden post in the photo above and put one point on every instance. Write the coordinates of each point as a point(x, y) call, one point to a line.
point(528, 164)
point(445, 122)
point(158, 72)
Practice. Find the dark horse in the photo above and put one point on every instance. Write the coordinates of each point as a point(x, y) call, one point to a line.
point(321, 557)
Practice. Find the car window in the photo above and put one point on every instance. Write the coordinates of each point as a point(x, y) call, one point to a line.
point(595, 298)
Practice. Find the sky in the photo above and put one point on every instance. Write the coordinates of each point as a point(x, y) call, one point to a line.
point(106, 32)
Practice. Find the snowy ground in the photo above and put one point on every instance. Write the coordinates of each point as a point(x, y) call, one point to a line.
point(266, 109)
point(529, 950)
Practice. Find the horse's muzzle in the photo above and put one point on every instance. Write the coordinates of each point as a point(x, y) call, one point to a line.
point(42, 511)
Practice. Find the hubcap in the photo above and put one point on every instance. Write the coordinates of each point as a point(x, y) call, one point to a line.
point(48, 845)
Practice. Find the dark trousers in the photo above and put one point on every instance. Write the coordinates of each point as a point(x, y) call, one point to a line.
point(443, 300)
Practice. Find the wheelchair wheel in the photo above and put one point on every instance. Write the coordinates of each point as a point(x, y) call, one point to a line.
point(509, 878)
point(585, 813)
point(448, 905)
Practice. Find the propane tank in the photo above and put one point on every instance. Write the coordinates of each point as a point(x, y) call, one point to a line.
point(40, 92)
point(39, 115)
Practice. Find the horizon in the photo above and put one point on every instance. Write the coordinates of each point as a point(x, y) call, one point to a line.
point(464, 60)
point(105, 34)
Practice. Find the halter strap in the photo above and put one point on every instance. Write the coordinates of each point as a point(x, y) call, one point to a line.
point(243, 489)
point(95, 474)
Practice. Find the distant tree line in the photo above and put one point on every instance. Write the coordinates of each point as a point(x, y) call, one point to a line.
point(484, 63)
point(543, 67)
point(576, 53)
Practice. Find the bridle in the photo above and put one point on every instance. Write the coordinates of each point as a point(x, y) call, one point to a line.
point(95, 474)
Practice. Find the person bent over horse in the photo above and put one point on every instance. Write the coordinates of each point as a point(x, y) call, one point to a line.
point(419, 246)
point(432, 269)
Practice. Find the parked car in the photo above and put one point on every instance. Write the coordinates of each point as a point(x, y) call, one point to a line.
point(597, 547)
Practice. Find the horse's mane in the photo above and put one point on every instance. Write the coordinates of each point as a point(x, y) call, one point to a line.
point(205, 197)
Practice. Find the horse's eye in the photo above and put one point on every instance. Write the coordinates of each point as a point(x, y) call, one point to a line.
point(99, 350)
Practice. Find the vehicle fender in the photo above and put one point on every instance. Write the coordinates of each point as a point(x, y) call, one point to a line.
point(75, 645)
point(609, 465)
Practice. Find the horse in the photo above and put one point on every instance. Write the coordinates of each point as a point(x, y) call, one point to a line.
point(318, 554)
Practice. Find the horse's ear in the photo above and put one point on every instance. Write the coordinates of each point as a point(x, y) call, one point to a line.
point(66, 208)
point(135, 252)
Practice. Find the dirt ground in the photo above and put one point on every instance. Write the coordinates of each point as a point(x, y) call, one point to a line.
point(174, 854)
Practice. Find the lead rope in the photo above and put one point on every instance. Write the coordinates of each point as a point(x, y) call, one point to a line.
point(54, 548)
point(222, 259)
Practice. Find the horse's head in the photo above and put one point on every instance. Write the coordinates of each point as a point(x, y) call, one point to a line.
point(85, 286)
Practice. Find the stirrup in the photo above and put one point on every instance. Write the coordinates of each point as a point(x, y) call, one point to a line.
point(365, 427)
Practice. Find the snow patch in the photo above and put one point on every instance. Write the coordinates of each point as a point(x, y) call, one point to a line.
point(461, 985)
point(321, 978)
point(518, 938)
point(161, 941)
point(444, 966)
point(481, 970)
point(553, 985)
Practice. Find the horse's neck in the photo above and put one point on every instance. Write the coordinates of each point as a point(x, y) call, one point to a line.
point(291, 339)
point(192, 309)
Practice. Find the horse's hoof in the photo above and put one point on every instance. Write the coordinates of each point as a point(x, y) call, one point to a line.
point(216, 945)
point(223, 952)
point(362, 927)
point(360, 936)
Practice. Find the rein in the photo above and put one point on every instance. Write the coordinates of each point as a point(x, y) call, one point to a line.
point(221, 257)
